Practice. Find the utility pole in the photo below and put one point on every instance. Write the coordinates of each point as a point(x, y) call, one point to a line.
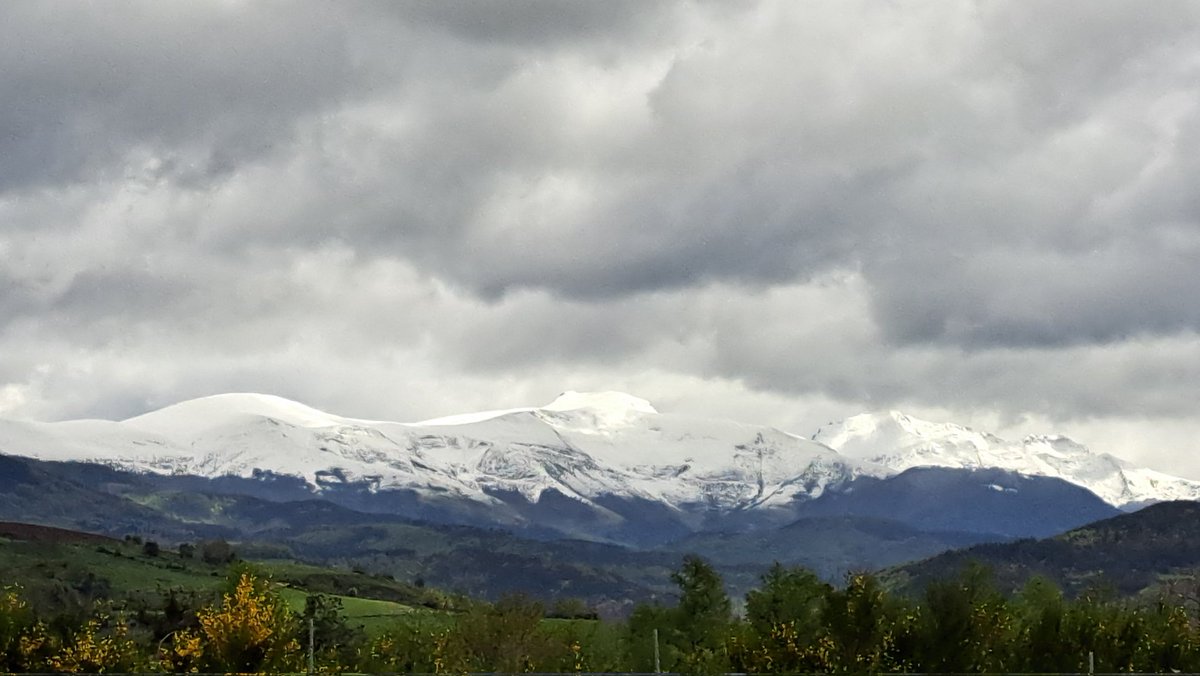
point(657, 665)
point(311, 666)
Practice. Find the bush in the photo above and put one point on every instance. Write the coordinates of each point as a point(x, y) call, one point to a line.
point(252, 630)
point(217, 552)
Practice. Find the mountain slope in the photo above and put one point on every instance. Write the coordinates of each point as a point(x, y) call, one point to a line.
point(606, 458)
point(900, 442)
point(455, 557)
point(830, 546)
point(986, 501)
point(600, 466)
point(1129, 552)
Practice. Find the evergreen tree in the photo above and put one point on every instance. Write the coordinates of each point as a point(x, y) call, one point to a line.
point(704, 610)
point(1042, 644)
point(965, 625)
point(861, 624)
point(787, 595)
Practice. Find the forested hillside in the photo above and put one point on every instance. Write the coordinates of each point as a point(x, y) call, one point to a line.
point(74, 603)
point(1127, 555)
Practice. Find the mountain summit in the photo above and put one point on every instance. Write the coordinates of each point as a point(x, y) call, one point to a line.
point(612, 403)
point(900, 442)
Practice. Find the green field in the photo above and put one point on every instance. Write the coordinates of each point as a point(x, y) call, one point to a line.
point(126, 585)
point(63, 574)
point(40, 565)
point(53, 573)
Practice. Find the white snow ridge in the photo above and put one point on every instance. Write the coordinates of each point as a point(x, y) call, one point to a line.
point(583, 445)
point(899, 442)
point(589, 447)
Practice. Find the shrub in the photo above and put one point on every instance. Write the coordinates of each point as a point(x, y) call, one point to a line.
point(252, 630)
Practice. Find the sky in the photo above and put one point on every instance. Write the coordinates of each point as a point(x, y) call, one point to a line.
point(784, 213)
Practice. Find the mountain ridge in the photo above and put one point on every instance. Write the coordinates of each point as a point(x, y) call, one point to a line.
point(606, 466)
point(236, 434)
point(1128, 554)
point(900, 442)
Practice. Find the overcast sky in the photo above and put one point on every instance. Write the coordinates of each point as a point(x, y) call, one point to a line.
point(778, 212)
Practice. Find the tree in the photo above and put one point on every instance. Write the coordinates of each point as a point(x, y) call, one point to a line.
point(787, 595)
point(864, 629)
point(334, 640)
point(643, 623)
point(571, 608)
point(507, 636)
point(216, 552)
point(965, 625)
point(1042, 644)
point(786, 622)
point(702, 616)
point(704, 609)
point(1185, 591)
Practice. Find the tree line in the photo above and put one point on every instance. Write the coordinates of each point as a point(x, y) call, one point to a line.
point(794, 622)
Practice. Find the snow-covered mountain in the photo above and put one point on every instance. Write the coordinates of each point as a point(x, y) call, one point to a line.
point(899, 442)
point(598, 465)
point(591, 448)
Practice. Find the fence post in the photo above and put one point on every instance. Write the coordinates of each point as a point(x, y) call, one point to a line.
point(1091, 663)
point(657, 666)
point(311, 666)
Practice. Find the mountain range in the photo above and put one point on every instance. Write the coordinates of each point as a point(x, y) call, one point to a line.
point(604, 466)
point(870, 491)
point(899, 442)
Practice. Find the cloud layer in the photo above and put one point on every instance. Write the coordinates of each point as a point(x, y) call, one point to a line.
point(769, 210)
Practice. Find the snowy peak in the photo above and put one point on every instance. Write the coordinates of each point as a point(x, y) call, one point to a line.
point(617, 404)
point(900, 442)
point(612, 409)
point(195, 415)
point(587, 446)
point(596, 412)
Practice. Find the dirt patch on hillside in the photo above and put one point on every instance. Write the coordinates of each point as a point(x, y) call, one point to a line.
point(29, 532)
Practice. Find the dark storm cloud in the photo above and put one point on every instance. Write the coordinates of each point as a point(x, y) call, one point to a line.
point(539, 24)
point(88, 301)
point(206, 86)
point(825, 151)
point(1033, 297)
point(987, 203)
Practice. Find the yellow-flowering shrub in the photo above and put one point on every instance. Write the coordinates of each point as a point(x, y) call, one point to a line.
point(35, 648)
point(185, 653)
point(24, 642)
point(15, 620)
point(96, 649)
point(251, 631)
